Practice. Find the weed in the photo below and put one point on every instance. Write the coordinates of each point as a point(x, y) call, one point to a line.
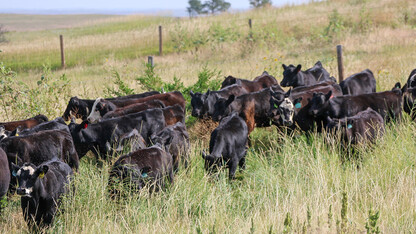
point(371, 224)
point(335, 26)
point(121, 89)
point(287, 223)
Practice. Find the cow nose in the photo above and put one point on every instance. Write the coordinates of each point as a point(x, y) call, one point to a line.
point(21, 191)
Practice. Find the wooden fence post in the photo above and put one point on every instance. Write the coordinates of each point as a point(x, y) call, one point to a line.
point(340, 64)
point(249, 23)
point(250, 27)
point(160, 40)
point(61, 39)
point(150, 60)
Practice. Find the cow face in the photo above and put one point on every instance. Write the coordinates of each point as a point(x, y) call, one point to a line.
point(344, 126)
point(319, 103)
point(77, 108)
point(198, 101)
point(4, 133)
point(290, 76)
point(211, 163)
point(99, 109)
point(27, 177)
point(222, 108)
point(163, 138)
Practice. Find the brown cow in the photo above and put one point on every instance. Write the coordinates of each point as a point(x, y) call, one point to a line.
point(26, 123)
point(263, 81)
point(134, 108)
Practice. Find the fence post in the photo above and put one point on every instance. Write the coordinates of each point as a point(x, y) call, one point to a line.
point(250, 27)
point(160, 40)
point(150, 60)
point(340, 64)
point(61, 39)
point(249, 23)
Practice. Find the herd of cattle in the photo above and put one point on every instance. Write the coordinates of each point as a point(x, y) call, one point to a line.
point(39, 156)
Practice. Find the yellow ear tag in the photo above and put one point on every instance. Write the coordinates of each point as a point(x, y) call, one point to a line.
point(17, 134)
point(41, 175)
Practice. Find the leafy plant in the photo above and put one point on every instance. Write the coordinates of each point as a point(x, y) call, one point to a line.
point(121, 89)
point(371, 224)
point(335, 26)
point(150, 80)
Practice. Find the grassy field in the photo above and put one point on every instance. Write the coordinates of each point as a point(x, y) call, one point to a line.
point(292, 183)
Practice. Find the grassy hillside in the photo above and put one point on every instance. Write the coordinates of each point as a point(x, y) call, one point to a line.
point(292, 183)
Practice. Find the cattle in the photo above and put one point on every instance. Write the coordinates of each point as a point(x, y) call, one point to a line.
point(41, 189)
point(203, 105)
point(359, 83)
point(173, 114)
point(145, 166)
point(27, 123)
point(411, 81)
point(56, 124)
point(4, 133)
point(361, 128)
point(100, 137)
point(263, 81)
point(293, 76)
point(175, 139)
point(4, 176)
point(409, 97)
point(227, 145)
point(252, 107)
point(39, 147)
point(101, 106)
point(81, 108)
point(293, 107)
point(134, 108)
point(388, 104)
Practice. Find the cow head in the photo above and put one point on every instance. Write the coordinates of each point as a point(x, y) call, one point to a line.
point(319, 103)
point(211, 163)
point(411, 81)
point(4, 133)
point(344, 126)
point(222, 108)
point(212, 98)
point(78, 136)
point(229, 80)
point(28, 176)
point(99, 109)
point(198, 102)
point(291, 76)
point(76, 107)
point(163, 138)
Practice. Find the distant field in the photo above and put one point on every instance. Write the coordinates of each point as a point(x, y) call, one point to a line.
point(20, 22)
point(293, 183)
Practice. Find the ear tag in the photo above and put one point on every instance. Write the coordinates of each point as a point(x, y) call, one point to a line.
point(276, 106)
point(144, 174)
point(298, 105)
point(17, 134)
point(331, 96)
point(85, 126)
point(349, 126)
point(41, 175)
point(14, 173)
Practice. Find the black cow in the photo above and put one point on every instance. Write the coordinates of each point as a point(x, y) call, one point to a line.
point(263, 81)
point(388, 104)
point(102, 136)
point(361, 128)
point(210, 98)
point(41, 188)
point(293, 107)
point(411, 81)
point(293, 76)
point(56, 124)
point(175, 139)
point(409, 97)
point(26, 123)
point(40, 147)
point(4, 175)
point(227, 145)
point(359, 83)
point(145, 166)
point(81, 108)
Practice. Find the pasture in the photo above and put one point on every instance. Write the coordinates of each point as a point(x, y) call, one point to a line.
point(293, 182)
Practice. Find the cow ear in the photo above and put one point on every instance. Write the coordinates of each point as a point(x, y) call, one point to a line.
point(208, 92)
point(397, 86)
point(230, 99)
point(328, 95)
point(297, 70)
point(42, 171)
point(191, 93)
point(14, 168)
point(287, 94)
point(284, 66)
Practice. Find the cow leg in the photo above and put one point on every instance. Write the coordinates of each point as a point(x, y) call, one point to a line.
point(233, 167)
point(242, 163)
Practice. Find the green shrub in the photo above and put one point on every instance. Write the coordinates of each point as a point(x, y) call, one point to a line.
point(121, 89)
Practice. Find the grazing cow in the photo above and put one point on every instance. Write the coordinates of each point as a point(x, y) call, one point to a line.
point(27, 123)
point(56, 124)
point(203, 104)
point(361, 128)
point(40, 147)
point(293, 76)
point(409, 97)
point(145, 166)
point(101, 136)
point(101, 106)
point(263, 81)
point(227, 144)
point(359, 83)
point(41, 188)
point(252, 107)
point(81, 108)
point(411, 81)
point(388, 104)
point(175, 139)
point(293, 107)
point(4, 175)
point(134, 108)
